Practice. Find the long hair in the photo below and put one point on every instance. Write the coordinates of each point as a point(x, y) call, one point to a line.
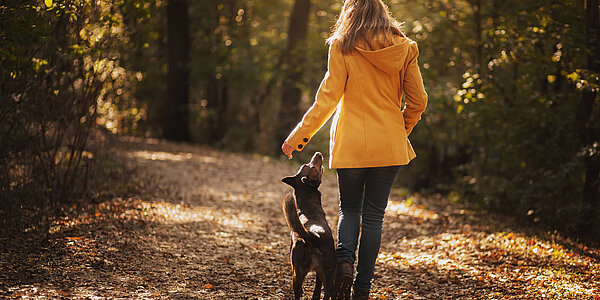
point(364, 20)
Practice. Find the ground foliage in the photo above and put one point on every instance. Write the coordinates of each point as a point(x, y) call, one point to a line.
point(207, 224)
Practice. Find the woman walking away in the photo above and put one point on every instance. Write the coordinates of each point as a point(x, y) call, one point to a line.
point(371, 65)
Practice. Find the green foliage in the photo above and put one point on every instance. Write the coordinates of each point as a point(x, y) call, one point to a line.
point(237, 68)
point(504, 86)
point(61, 75)
point(522, 108)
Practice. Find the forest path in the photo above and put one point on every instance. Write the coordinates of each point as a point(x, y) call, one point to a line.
point(209, 225)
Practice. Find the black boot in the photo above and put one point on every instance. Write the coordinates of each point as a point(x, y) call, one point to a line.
point(343, 279)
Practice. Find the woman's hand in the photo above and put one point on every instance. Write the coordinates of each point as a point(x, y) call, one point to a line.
point(287, 149)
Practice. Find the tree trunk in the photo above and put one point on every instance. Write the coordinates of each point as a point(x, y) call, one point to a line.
point(216, 120)
point(584, 119)
point(176, 110)
point(294, 55)
point(476, 5)
point(217, 95)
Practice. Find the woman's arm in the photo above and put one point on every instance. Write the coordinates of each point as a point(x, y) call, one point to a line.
point(414, 91)
point(328, 96)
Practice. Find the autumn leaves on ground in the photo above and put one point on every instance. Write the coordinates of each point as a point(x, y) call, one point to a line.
point(208, 225)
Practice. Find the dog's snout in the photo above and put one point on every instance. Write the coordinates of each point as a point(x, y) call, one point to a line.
point(317, 159)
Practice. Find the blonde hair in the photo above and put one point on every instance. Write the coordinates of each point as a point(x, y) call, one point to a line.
point(364, 20)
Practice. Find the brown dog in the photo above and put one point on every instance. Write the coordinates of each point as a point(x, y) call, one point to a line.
point(312, 246)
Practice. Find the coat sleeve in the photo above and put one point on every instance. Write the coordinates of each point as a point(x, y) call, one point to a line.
point(415, 96)
point(326, 100)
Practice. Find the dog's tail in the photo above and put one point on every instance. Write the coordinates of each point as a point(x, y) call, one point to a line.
point(291, 216)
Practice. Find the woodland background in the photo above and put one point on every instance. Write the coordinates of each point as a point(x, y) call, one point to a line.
point(512, 124)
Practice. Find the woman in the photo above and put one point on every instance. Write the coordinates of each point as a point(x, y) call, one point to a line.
point(371, 66)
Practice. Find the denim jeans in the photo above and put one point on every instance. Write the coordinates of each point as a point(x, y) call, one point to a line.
point(364, 195)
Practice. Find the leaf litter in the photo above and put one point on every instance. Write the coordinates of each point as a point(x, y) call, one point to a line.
point(208, 225)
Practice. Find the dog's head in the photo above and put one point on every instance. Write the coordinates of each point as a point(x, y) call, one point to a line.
point(309, 174)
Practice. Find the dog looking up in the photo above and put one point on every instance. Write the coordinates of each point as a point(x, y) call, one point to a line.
point(312, 246)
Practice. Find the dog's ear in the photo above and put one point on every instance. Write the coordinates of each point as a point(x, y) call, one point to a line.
point(290, 180)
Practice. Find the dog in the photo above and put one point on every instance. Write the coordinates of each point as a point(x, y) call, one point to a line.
point(312, 247)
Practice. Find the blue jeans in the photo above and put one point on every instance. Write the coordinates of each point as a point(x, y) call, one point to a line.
point(364, 195)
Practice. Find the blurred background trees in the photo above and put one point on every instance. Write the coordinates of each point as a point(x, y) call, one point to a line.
point(175, 113)
point(62, 74)
point(512, 124)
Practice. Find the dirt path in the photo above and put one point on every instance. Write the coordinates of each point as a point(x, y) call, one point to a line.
point(209, 225)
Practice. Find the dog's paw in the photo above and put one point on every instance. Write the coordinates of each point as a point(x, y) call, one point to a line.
point(316, 230)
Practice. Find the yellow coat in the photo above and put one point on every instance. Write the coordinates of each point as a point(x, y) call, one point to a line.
point(370, 128)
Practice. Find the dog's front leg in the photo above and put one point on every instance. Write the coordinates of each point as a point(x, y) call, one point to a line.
point(328, 286)
point(297, 280)
point(317, 291)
